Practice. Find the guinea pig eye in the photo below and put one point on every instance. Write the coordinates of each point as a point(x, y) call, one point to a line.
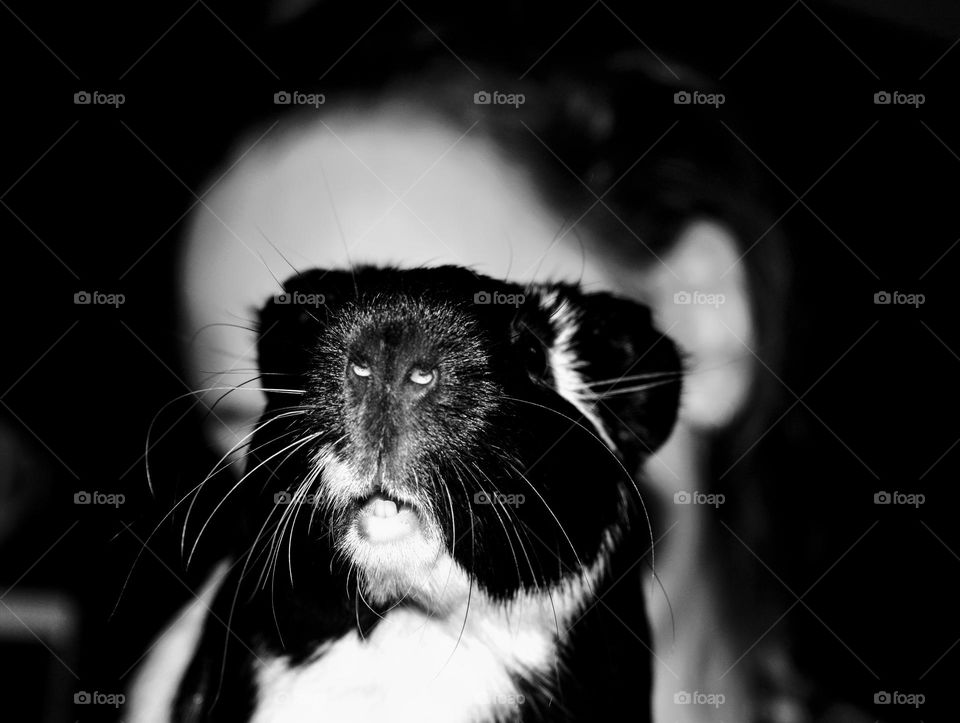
point(360, 370)
point(422, 376)
point(535, 358)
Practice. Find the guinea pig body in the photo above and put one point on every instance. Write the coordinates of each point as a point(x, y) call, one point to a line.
point(440, 516)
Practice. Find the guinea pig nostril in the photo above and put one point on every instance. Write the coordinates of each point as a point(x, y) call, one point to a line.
point(360, 370)
point(422, 376)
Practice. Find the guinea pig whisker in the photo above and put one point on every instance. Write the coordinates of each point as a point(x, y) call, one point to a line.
point(228, 324)
point(153, 422)
point(356, 605)
point(552, 514)
point(218, 468)
point(634, 378)
point(463, 627)
point(616, 459)
point(493, 506)
point(520, 529)
point(346, 581)
point(241, 370)
point(499, 497)
point(523, 548)
point(293, 446)
point(289, 519)
point(453, 535)
point(319, 466)
point(254, 553)
point(305, 487)
point(244, 388)
point(194, 491)
point(289, 512)
point(286, 412)
point(366, 604)
point(453, 525)
point(236, 594)
point(628, 390)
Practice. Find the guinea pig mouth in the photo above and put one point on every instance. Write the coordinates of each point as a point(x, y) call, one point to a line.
point(382, 518)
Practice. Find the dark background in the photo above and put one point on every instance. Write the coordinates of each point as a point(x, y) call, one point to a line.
point(92, 198)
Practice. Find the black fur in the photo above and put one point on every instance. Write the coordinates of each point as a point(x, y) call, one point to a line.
point(490, 421)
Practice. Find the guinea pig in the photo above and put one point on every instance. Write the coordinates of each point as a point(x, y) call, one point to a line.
point(441, 515)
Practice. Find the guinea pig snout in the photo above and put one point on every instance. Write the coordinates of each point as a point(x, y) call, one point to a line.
point(389, 377)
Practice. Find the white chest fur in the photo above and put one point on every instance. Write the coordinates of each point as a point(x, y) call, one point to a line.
point(412, 668)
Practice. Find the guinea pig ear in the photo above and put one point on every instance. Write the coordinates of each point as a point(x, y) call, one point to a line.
point(631, 372)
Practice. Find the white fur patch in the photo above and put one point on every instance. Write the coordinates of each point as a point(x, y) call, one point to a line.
point(565, 363)
point(419, 667)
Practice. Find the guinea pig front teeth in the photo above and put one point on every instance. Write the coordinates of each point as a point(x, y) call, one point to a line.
point(384, 508)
